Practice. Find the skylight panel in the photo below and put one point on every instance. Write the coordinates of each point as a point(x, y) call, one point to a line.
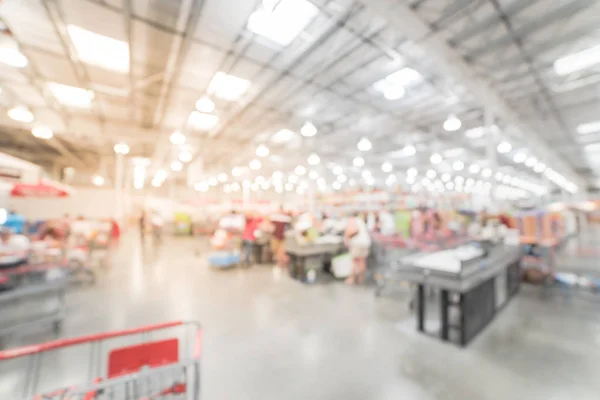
point(281, 22)
point(578, 61)
point(228, 87)
point(98, 50)
point(71, 96)
point(589, 127)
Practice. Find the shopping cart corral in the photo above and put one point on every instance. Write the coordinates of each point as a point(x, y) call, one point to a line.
point(32, 298)
point(151, 362)
point(473, 286)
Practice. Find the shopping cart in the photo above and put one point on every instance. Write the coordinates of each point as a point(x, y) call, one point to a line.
point(34, 296)
point(74, 257)
point(151, 362)
point(387, 251)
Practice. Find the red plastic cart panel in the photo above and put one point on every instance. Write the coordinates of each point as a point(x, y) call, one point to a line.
point(127, 360)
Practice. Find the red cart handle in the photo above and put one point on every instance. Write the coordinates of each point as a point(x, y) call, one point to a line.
point(58, 344)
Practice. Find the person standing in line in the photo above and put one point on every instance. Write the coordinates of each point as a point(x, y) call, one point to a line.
point(249, 236)
point(157, 225)
point(358, 241)
point(142, 221)
point(281, 221)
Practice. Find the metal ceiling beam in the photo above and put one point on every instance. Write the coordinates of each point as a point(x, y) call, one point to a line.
point(532, 26)
point(490, 21)
point(455, 66)
point(55, 15)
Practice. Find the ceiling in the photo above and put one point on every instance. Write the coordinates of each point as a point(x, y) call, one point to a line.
point(488, 62)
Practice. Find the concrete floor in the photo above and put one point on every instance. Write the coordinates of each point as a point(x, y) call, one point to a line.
point(269, 337)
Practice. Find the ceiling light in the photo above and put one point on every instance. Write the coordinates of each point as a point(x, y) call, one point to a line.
point(453, 152)
point(474, 168)
point(409, 150)
point(277, 176)
point(289, 187)
point(71, 96)
point(394, 86)
point(504, 147)
point(342, 178)
point(255, 164)
point(313, 174)
point(452, 123)
point(366, 174)
point(412, 172)
point(185, 156)
point(498, 176)
point(292, 178)
point(222, 177)
point(578, 61)
point(98, 180)
point(446, 177)
point(458, 165)
point(436, 158)
point(12, 56)
point(387, 167)
point(358, 161)
point(336, 185)
point(283, 136)
point(21, 114)
point(308, 130)
point(486, 173)
point(469, 182)
point(98, 50)
point(337, 170)
point(431, 174)
point(589, 127)
point(176, 166)
point(459, 180)
point(475, 133)
point(177, 138)
point(259, 179)
point(205, 105)
point(262, 151)
point(237, 171)
point(203, 121)
point(364, 144)
point(531, 162)
point(592, 147)
point(520, 158)
point(540, 167)
point(228, 87)
point(313, 159)
point(300, 170)
point(42, 132)
point(121, 148)
point(201, 187)
point(160, 175)
point(393, 92)
point(235, 186)
point(450, 185)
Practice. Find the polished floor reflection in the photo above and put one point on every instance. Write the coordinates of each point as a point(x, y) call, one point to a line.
point(269, 337)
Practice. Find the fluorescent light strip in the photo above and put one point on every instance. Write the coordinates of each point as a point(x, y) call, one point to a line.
point(578, 61)
point(282, 22)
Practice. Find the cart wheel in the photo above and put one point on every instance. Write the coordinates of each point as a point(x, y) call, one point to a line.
point(56, 326)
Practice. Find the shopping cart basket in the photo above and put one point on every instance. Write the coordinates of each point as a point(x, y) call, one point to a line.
point(151, 362)
point(34, 296)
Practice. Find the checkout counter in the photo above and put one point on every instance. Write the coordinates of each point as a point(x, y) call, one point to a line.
point(474, 281)
point(307, 259)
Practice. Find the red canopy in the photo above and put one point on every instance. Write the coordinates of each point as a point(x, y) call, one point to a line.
point(40, 189)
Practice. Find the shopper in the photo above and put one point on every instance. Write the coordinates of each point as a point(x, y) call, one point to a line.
point(13, 249)
point(281, 221)
point(358, 241)
point(142, 222)
point(249, 236)
point(156, 226)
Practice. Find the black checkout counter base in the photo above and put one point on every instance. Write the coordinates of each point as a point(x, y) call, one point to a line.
point(463, 315)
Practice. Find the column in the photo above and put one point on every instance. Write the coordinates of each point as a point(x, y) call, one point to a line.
point(491, 152)
point(119, 179)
